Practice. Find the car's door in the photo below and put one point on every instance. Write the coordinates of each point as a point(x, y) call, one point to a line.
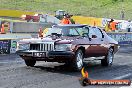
point(96, 42)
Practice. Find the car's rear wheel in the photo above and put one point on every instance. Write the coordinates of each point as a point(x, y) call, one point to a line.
point(30, 62)
point(77, 63)
point(108, 60)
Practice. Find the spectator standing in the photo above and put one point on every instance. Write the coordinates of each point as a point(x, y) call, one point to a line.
point(113, 25)
point(65, 20)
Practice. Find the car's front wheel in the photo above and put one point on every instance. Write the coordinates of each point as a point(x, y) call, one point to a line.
point(30, 62)
point(77, 63)
point(108, 60)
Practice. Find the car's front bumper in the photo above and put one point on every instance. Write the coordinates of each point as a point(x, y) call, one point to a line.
point(46, 55)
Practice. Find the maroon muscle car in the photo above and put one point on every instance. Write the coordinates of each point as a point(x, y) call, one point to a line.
point(69, 44)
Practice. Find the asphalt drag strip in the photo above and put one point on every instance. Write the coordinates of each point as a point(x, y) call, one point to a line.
point(15, 74)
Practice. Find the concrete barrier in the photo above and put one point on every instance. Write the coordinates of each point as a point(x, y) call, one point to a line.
point(14, 36)
point(8, 42)
point(24, 27)
point(122, 38)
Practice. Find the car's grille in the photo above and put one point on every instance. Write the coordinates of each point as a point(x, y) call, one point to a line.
point(42, 47)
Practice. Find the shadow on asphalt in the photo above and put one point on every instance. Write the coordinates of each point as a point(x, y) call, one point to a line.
point(67, 69)
point(93, 69)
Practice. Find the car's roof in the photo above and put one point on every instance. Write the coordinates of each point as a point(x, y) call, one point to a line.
point(70, 25)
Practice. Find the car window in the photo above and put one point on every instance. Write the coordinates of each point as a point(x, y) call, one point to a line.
point(83, 31)
point(95, 31)
point(73, 31)
point(78, 31)
point(91, 32)
point(98, 32)
point(67, 31)
point(49, 31)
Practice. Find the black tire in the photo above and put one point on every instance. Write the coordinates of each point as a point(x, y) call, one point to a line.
point(108, 60)
point(77, 63)
point(30, 63)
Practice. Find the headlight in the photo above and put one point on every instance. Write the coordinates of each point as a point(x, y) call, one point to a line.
point(23, 46)
point(63, 47)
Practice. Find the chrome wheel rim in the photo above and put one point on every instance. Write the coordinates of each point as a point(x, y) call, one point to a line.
point(79, 60)
point(110, 56)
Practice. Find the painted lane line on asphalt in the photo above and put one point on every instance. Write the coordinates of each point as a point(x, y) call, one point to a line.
point(123, 76)
point(127, 86)
point(10, 62)
point(128, 63)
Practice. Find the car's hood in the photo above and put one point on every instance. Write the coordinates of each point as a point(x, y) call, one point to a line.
point(62, 40)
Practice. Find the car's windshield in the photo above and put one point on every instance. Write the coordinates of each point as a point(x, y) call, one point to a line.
point(69, 31)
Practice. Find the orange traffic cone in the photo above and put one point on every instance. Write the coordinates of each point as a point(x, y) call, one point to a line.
point(2, 29)
point(40, 32)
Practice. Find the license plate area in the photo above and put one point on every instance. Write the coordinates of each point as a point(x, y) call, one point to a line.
point(39, 54)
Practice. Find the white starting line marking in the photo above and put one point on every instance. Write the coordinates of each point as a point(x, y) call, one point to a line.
point(123, 76)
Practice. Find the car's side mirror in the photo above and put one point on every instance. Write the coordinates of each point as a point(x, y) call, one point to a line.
point(94, 36)
point(85, 35)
